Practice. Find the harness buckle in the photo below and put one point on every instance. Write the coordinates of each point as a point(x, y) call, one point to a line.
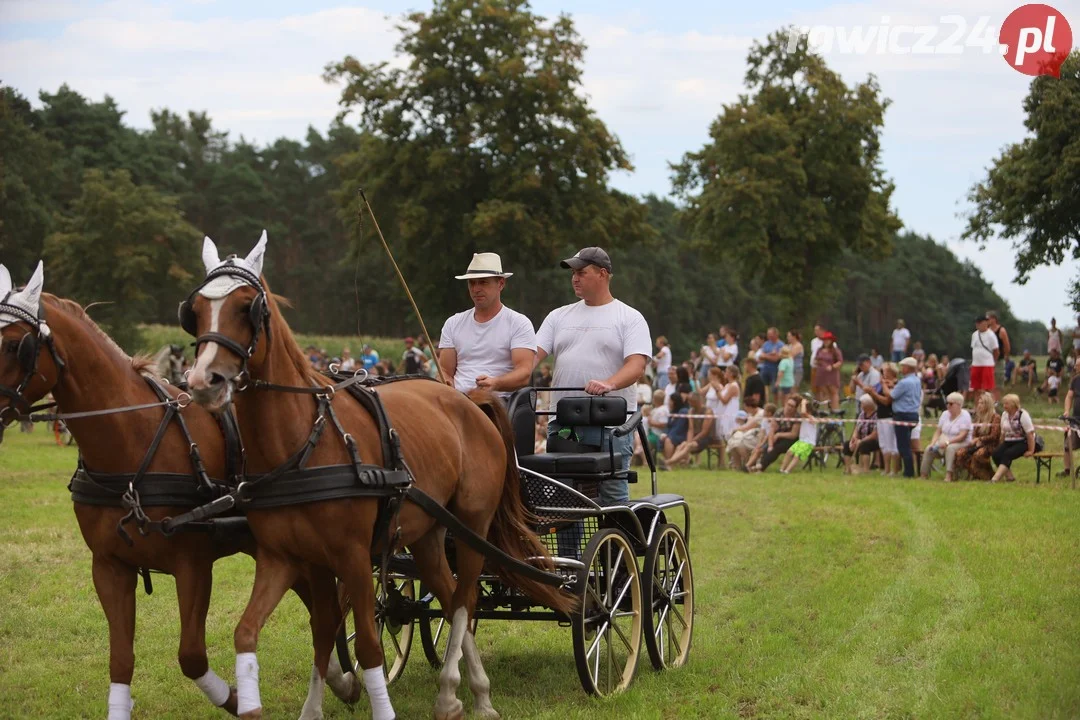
point(329, 393)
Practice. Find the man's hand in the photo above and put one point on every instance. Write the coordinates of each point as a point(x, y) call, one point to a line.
point(598, 387)
point(485, 382)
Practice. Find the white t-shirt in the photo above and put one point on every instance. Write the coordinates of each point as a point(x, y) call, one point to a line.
point(1009, 433)
point(900, 337)
point(950, 427)
point(725, 412)
point(484, 348)
point(815, 345)
point(982, 348)
point(591, 342)
point(731, 359)
point(644, 393)
point(1053, 382)
point(664, 361)
point(808, 431)
point(658, 419)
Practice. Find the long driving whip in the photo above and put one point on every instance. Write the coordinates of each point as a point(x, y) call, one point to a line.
point(423, 327)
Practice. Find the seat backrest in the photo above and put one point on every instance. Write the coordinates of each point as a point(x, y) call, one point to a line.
point(523, 421)
point(593, 410)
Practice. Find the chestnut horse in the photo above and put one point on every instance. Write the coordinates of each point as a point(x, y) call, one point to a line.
point(458, 449)
point(51, 345)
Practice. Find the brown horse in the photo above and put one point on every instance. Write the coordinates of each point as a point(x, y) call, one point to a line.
point(459, 450)
point(50, 345)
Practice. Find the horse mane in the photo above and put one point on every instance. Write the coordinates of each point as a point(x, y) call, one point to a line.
point(281, 329)
point(142, 364)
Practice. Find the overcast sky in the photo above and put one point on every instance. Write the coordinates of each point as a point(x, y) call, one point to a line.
point(656, 72)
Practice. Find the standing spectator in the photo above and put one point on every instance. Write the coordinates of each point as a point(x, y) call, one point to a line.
point(710, 356)
point(815, 345)
point(785, 375)
point(829, 360)
point(953, 433)
point(1002, 335)
point(876, 361)
point(901, 338)
point(662, 361)
point(984, 354)
point(1054, 338)
point(348, 362)
point(369, 357)
point(794, 341)
point(885, 427)
point(975, 458)
point(905, 398)
point(753, 385)
point(672, 382)
point(1017, 438)
point(1027, 371)
point(432, 361)
point(729, 351)
point(863, 442)
point(770, 359)
point(919, 354)
point(413, 360)
point(722, 398)
point(1071, 408)
point(865, 374)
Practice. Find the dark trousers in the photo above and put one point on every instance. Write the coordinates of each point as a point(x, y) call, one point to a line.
point(1006, 452)
point(780, 447)
point(903, 440)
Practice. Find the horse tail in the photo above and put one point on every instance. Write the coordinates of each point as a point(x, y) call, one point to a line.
point(510, 530)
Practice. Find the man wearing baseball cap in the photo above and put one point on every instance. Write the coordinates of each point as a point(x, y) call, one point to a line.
point(489, 345)
point(984, 355)
point(601, 344)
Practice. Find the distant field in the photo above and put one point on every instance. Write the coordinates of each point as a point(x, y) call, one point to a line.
point(818, 596)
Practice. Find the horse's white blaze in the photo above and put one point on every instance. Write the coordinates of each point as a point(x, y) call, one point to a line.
point(209, 350)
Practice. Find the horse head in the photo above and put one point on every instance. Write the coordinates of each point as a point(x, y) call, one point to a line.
point(29, 364)
point(227, 314)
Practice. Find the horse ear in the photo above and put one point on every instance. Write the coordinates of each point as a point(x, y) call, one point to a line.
point(255, 257)
point(30, 296)
point(210, 254)
point(5, 281)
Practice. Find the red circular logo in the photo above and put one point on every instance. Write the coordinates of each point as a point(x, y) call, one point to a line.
point(1035, 40)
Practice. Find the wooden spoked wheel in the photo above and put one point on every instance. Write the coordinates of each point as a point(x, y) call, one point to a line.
point(607, 625)
point(668, 585)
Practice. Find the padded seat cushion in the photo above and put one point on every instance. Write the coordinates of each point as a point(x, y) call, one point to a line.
point(555, 464)
point(661, 499)
point(588, 411)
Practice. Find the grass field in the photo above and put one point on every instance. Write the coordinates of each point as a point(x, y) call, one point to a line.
point(818, 596)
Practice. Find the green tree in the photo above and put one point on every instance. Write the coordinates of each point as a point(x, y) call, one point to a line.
point(791, 178)
point(126, 246)
point(483, 141)
point(1031, 193)
point(28, 177)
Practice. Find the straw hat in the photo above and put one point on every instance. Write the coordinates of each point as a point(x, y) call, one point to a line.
point(484, 265)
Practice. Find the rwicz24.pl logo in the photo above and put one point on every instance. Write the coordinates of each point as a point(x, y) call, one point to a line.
point(1034, 39)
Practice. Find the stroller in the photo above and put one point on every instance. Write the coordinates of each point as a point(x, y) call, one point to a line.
point(957, 379)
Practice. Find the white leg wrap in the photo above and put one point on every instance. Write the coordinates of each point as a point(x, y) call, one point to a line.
point(247, 683)
point(214, 688)
point(313, 704)
point(375, 682)
point(120, 702)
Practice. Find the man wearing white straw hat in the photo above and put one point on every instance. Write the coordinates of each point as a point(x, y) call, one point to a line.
point(488, 346)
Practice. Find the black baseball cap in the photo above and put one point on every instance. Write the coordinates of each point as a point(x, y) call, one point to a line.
point(861, 359)
point(588, 256)
point(980, 318)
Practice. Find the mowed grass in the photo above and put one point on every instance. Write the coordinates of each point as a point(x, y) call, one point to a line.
point(818, 595)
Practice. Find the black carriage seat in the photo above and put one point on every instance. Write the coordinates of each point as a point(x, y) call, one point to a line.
point(566, 458)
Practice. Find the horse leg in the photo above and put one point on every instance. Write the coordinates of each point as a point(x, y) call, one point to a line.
point(429, 552)
point(354, 569)
point(115, 585)
point(325, 615)
point(447, 706)
point(193, 586)
point(344, 684)
point(273, 576)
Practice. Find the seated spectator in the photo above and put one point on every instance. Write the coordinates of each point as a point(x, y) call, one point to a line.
point(863, 442)
point(782, 435)
point(751, 439)
point(1055, 367)
point(1017, 438)
point(348, 362)
point(1010, 367)
point(688, 375)
point(919, 354)
point(678, 426)
point(658, 420)
point(1027, 371)
point(876, 360)
point(800, 451)
point(952, 434)
point(369, 357)
point(669, 383)
point(702, 432)
point(644, 390)
point(1053, 382)
point(986, 436)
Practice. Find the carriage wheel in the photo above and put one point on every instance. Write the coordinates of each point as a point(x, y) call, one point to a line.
point(435, 632)
point(668, 585)
point(395, 631)
point(607, 625)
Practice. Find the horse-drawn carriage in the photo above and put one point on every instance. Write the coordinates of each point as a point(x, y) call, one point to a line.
point(438, 496)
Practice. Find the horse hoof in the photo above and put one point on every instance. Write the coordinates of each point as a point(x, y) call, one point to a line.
point(347, 688)
point(255, 714)
point(455, 711)
point(488, 713)
point(230, 704)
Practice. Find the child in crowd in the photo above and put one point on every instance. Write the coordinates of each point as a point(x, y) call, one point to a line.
point(785, 375)
point(801, 450)
point(1053, 382)
point(768, 427)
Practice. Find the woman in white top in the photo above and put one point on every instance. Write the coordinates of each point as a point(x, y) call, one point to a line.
point(722, 398)
point(1017, 438)
point(729, 353)
point(953, 433)
point(747, 436)
point(710, 356)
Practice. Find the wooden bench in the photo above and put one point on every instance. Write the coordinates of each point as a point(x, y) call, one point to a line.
point(1045, 460)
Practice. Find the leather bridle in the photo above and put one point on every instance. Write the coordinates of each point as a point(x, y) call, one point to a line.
point(27, 351)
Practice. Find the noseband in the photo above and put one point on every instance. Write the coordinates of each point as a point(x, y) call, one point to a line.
point(27, 353)
point(258, 315)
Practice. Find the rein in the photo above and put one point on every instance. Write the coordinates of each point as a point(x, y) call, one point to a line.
point(180, 402)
